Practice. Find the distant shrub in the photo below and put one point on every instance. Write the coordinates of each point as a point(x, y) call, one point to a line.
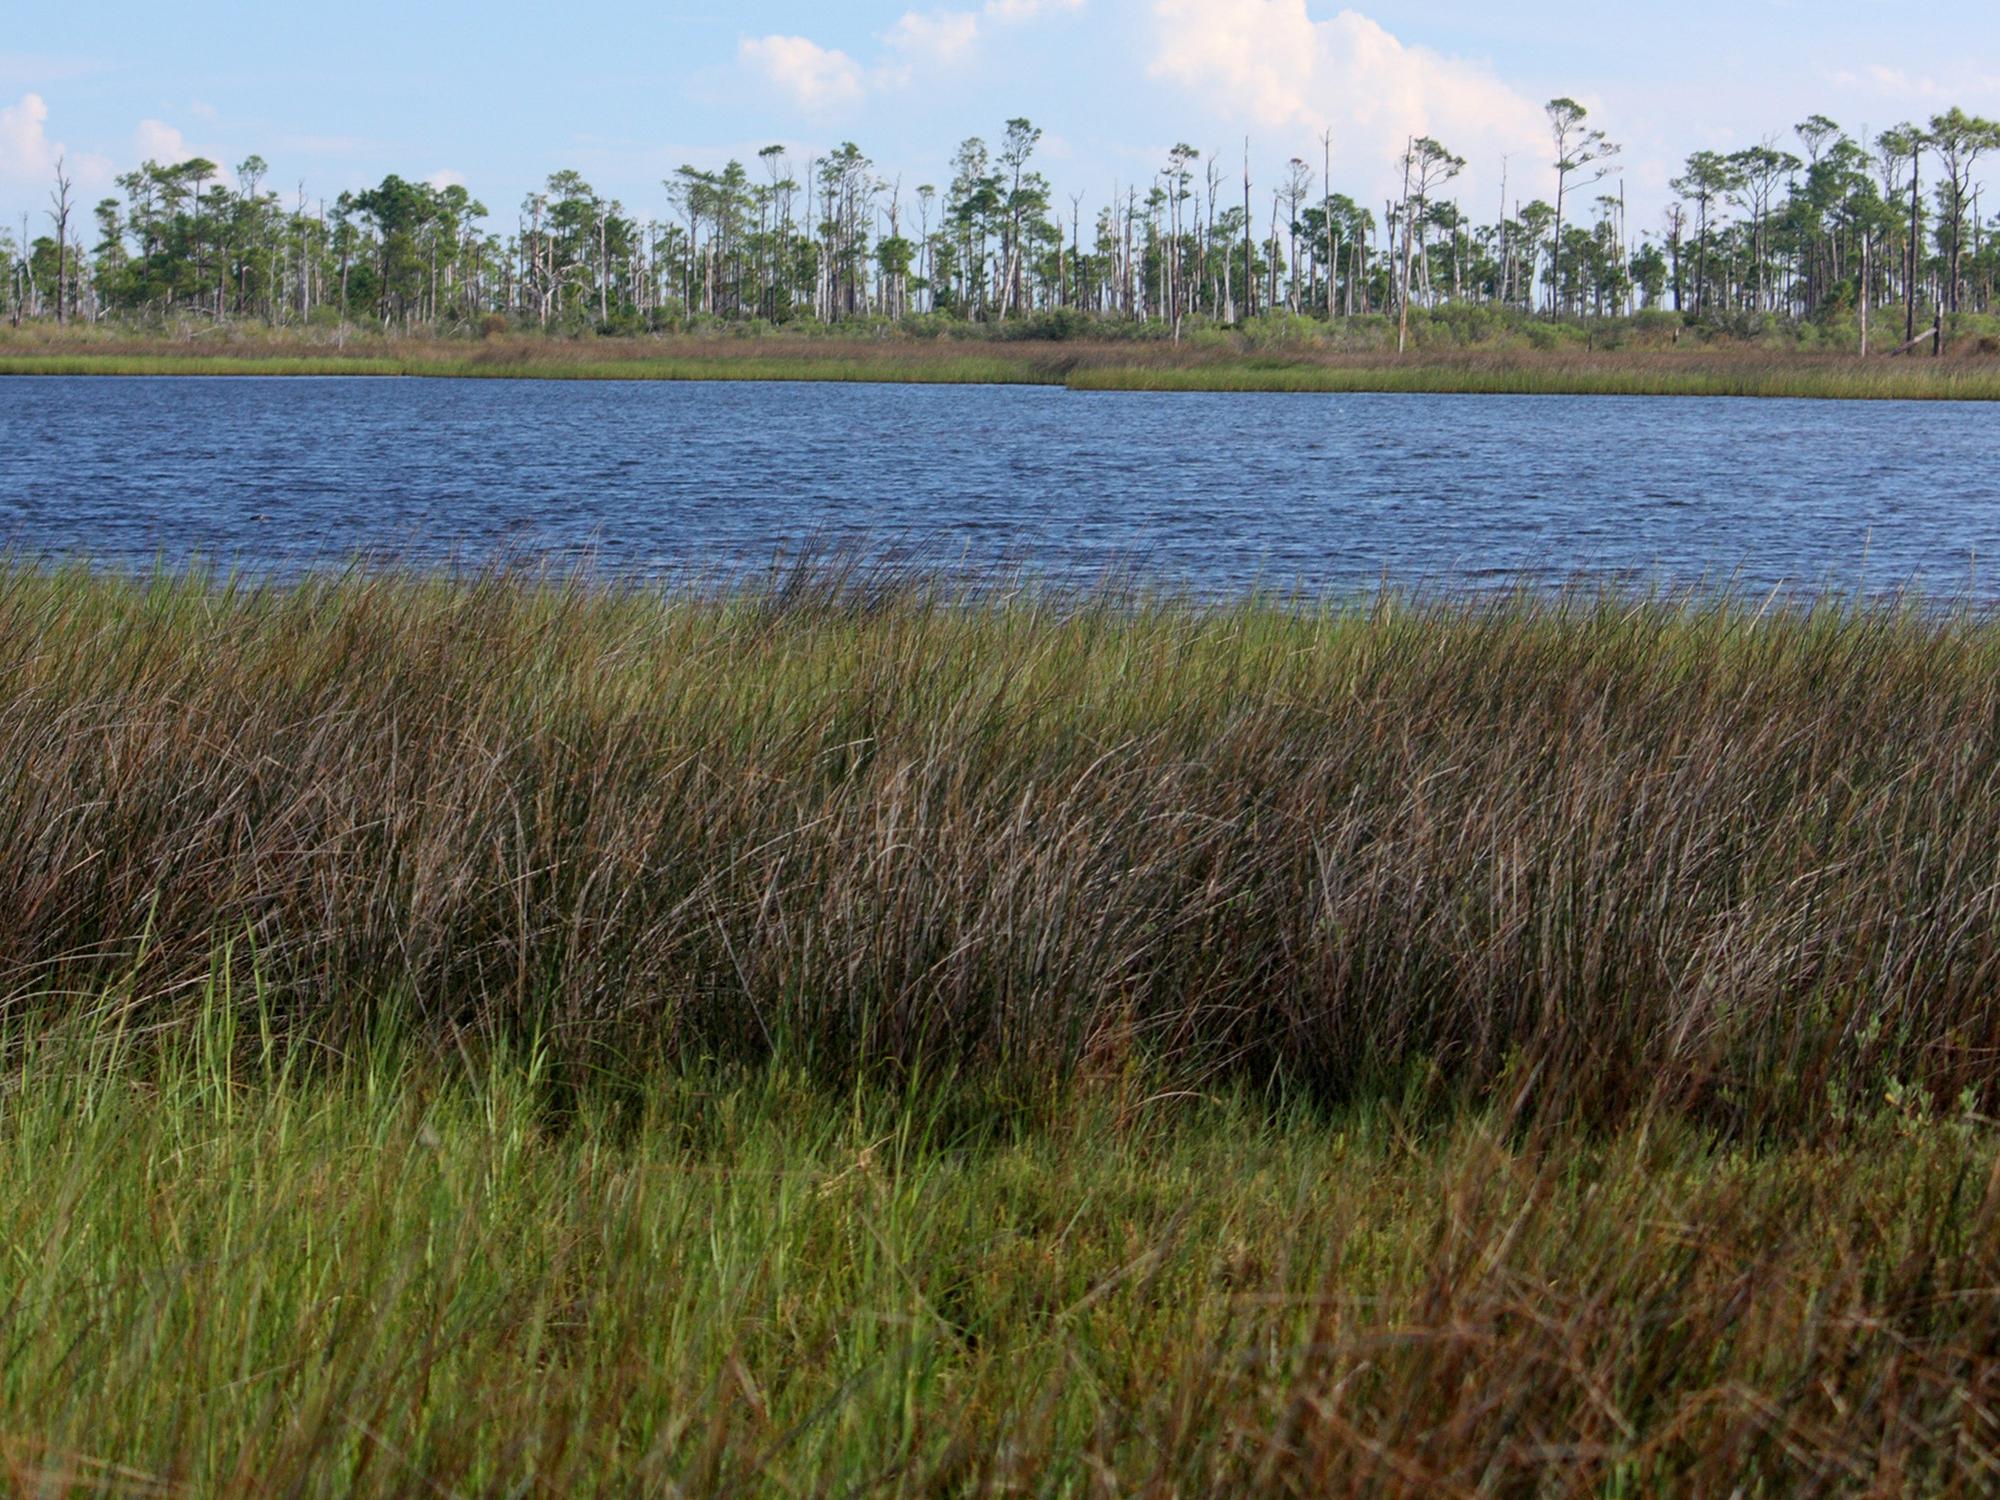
point(1056, 324)
point(1283, 328)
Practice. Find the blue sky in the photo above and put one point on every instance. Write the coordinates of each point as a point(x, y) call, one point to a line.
point(500, 94)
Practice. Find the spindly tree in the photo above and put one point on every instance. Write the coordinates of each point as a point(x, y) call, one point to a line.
point(1581, 151)
point(1754, 177)
point(1427, 166)
point(1707, 178)
point(1958, 140)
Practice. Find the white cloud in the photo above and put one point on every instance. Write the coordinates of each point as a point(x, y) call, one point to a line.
point(445, 179)
point(938, 38)
point(1027, 10)
point(28, 157)
point(818, 80)
point(1269, 63)
point(26, 153)
point(822, 80)
point(941, 38)
point(158, 141)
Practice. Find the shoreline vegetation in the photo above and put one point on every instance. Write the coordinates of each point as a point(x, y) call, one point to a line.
point(853, 1033)
point(1873, 243)
point(1222, 363)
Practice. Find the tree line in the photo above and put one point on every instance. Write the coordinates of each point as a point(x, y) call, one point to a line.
point(1814, 223)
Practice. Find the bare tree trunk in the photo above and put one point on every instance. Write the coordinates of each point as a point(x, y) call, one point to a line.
point(1271, 302)
point(1403, 316)
point(1910, 279)
point(1249, 259)
point(1326, 208)
point(1864, 294)
point(60, 198)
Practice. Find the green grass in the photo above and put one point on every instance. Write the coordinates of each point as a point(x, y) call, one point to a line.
point(1084, 365)
point(847, 1035)
point(380, 1278)
point(1611, 374)
point(969, 370)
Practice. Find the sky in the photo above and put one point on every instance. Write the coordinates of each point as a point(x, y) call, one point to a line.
point(499, 94)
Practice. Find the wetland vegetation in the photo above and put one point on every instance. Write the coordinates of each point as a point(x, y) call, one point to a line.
point(498, 1032)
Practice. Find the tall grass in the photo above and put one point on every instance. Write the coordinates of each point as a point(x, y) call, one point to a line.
point(1814, 377)
point(510, 1036)
point(963, 370)
point(226, 1280)
point(1211, 364)
point(233, 1281)
point(1736, 859)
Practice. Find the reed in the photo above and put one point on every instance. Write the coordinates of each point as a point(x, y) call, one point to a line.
point(1609, 374)
point(1215, 363)
point(970, 370)
point(1611, 854)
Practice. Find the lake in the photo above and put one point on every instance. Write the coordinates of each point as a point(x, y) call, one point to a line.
point(1208, 493)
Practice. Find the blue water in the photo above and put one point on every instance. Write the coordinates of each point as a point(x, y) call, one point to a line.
point(1211, 493)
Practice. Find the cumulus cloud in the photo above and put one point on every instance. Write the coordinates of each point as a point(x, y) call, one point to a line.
point(818, 80)
point(445, 179)
point(821, 80)
point(158, 141)
point(938, 37)
point(28, 157)
point(26, 152)
point(1267, 62)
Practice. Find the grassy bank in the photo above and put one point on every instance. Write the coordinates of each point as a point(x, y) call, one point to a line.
point(387, 1280)
point(1813, 377)
point(974, 369)
point(501, 1036)
point(1212, 364)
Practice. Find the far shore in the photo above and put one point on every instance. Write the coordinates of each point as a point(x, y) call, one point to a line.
point(1088, 365)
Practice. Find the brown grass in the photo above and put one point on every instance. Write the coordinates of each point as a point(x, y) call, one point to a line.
point(1214, 361)
point(1607, 853)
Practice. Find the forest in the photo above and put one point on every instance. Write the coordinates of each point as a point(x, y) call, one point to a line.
point(1813, 224)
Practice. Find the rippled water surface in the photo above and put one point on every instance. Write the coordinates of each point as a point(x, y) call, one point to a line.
point(1212, 493)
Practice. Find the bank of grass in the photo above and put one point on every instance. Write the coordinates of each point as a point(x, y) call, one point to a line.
point(1613, 373)
point(385, 1277)
point(1212, 363)
point(868, 1034)
point(964, 370)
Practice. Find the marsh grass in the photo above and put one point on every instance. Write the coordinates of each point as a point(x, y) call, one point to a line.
point(1612, 373)
point(392, 1277)
point(1737, 858)
point(866, 1034)
point(1217, 363)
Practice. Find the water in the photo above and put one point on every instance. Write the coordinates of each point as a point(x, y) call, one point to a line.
point(1209, 493)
